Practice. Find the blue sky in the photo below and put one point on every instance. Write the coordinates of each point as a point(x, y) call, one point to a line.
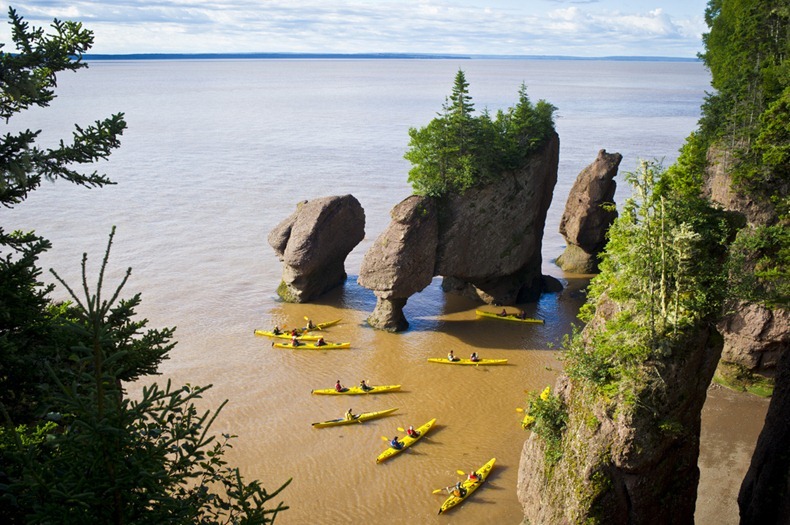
point(509, 27)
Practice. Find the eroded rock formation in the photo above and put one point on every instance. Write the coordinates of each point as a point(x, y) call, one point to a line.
point(313, 244)
point(401, 261)
point(625, 461)
point(755, 337)
point(486, 243)
point(585, 220)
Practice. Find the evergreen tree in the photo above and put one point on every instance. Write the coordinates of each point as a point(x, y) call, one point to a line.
point(74, 448)
point(457, 150)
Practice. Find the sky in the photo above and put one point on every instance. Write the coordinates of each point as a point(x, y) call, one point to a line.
point(587, 28)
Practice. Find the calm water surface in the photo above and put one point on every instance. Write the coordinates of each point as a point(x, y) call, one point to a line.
point(218, 152)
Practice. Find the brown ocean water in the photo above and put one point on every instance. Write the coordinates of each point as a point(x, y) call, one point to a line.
point(218, 152)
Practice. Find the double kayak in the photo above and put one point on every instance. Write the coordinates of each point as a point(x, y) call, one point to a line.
point(468, 487)
point(313, 346)
point(407, 442)
point(355, 390)
point(509, 317)
point(301, 333)
point(287, 335)
point(321, 326)
point(467, 361)
point(359, 418)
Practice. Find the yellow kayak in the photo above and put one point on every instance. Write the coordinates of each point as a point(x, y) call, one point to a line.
point(467, 361)
point(355, 390)
point(509, 317)
point(287, 335)
point(468, 487)
point(313, 346)
point(359, 418)
point(301, 333)
point(407, 442)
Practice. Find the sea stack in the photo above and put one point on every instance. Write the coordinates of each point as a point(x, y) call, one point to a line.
point(313, 244)
point(587, 216)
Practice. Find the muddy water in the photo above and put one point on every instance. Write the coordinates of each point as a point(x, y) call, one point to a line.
point(335, 477)
point(218, 152)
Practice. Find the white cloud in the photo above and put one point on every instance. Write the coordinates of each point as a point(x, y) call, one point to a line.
point(349, 26)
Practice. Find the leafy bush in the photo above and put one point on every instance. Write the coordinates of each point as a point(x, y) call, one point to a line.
point(547, 417)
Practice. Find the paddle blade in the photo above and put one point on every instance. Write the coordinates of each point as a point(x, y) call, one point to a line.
point(519, 409)
point(400, 429)
point(461, 472)
point(385, 438)
point(437, 491)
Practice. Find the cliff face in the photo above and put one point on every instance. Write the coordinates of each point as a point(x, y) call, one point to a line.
point(765, 494)
point(624, 461)
point(486, 243)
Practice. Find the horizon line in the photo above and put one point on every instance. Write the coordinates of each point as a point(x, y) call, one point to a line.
point(313, 55)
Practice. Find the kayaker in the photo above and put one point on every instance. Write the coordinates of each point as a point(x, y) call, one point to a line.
point(350, 415)
point(474, 357)
point(339, 387)
point(459, 491)
point(473, 476)
point(451, 356)
point(294, 340)
point(503, 313)
point(320, 342)
point(310, 325)
point(411, 432)
point(276, 330)
point(521, 314)
point(364, 386)
point(397, 445)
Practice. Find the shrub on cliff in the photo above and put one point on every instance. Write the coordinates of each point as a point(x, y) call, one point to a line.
point(663, 268)
point(457, 150)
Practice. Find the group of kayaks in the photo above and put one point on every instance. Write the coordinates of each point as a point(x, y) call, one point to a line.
point(307, 339)
point(304, 338)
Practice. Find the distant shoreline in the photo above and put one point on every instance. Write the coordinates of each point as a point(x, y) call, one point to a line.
point(368, 56)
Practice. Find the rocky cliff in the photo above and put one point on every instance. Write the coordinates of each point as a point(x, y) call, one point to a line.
point(625, 459)
point(765, 494)
point(754, 336)
point(586, 217)
point(313, 244)
point(486, 243)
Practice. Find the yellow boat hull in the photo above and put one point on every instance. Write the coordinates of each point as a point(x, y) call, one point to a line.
point(360, 418)
point(511, 317)
point(407, 442)
point(469, 485)
point(355, 390)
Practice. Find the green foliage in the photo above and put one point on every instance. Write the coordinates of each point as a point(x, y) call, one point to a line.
point(457, 150)
point(746, 51)
point(759, 265)
point(739, 378)
point(662, 271)
point(549, 417)
point(74, 448)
